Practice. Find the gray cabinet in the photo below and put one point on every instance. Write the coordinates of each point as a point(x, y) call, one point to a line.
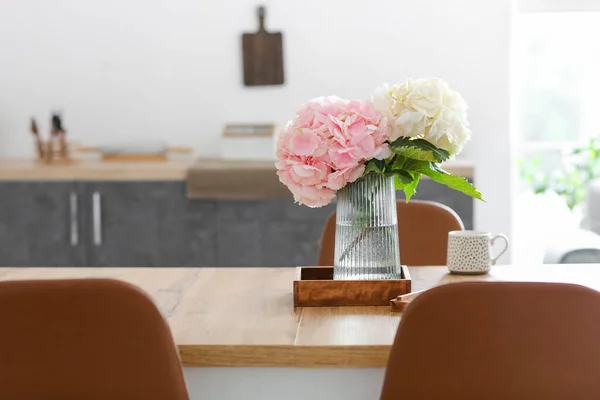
point(122, 220)
point(120, 224)
point(146, 224)
point(279, 233)
point(268, 233)
point(40, 224)
point(154, 223)
point(187, 234)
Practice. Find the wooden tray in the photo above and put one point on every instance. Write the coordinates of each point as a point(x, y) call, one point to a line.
point(315, 287)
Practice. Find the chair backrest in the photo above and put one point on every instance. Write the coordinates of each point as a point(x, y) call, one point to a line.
point(85, 339)
point(497, 340)
point(423, 228)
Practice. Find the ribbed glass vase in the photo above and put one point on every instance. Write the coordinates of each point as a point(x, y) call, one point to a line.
point(366, 232)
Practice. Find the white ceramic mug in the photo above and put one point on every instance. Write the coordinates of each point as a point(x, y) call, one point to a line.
point(470, 252)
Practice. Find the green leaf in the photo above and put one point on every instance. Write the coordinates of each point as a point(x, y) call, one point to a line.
point(414, 153)
point(411, 188)
point(409, 164)
point(405, 177)
point(398, 183)
point(402, 178)
point(453, 182)
point(374, 166)
point(418, 149)
point(439, 175)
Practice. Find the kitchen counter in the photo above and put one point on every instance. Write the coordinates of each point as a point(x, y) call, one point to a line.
point(93, 170)
point(181, 213)
point(244, 317)
point(220, 179)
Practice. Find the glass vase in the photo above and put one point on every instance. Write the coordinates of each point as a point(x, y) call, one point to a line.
point(366, 231)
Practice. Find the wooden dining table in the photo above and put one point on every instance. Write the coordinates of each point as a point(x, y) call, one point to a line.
point(239, 335)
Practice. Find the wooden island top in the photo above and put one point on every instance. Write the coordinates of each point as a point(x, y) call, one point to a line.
point(244, 317)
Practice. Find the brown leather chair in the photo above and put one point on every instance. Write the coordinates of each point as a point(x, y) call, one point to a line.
point(87, 339)
point(497, 340)
point(423, 228)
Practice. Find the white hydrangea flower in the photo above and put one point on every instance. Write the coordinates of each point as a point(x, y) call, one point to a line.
point(427, 109)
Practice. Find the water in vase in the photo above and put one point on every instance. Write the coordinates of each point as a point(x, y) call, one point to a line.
point(366, 239)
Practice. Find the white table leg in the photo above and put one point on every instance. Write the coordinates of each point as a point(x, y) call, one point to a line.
point(284, 383)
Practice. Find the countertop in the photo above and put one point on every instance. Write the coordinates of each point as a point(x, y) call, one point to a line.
point(92, 170)
point(244, 317)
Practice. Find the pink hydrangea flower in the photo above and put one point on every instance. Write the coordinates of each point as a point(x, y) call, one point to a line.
point(326, 147)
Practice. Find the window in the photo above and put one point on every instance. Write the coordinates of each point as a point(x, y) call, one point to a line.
point(556, 96)
point(558, 72)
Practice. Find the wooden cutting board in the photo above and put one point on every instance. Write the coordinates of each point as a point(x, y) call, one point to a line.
point(263, 55)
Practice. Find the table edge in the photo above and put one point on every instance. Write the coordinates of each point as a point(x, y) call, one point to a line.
point(285, 356)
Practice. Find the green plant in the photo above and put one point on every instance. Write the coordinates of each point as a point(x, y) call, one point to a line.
point(571, 180)
point(414, 158)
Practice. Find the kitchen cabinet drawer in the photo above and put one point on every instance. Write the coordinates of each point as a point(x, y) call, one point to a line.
point(41, 224)
point(146, 224)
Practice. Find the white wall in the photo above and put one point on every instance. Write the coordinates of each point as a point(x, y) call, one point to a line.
point(171, 69)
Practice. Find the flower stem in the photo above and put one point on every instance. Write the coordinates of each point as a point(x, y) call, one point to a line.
point(363, 233)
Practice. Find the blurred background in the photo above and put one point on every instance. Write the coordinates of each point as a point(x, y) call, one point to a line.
point(172, 71)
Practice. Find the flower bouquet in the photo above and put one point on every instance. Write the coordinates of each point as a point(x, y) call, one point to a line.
point(365, 150)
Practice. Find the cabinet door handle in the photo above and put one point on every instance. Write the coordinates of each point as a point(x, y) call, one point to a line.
point(97, 218)
point(74, 223)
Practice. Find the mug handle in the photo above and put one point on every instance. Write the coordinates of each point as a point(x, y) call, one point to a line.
point(503, 237)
